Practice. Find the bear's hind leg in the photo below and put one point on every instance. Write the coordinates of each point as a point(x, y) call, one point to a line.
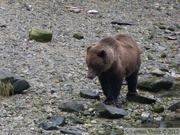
point(132, 83)
point(132, 94)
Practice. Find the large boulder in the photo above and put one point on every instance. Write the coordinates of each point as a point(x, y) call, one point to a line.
point(155, 84)
point(17, 84)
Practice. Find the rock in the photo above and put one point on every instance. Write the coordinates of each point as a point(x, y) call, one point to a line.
point(145, 116)
point(41, 35)
point(57, 120)
point(92, 11)
point(119, 22)
point(71, 107)
point(110, 112)
point(155, 84)
point(149, 123)
point(113, 133)
point(78, 36)
point(47, 126)
point(175, 106)
point(173, 121)
point(140, 99)
point(76, 119)
point(157, 72)
point(72, 132)
point(176, 85)
point(157, 108)
point(89, 94)
point(18, 84)
point(163, 55)
point(54, 122)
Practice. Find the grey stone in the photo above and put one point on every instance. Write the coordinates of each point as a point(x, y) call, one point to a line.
point(89, 94)
point(19, 84)
point(57, 120)
point(71, 107)
point(110, 112)
point(154, 84)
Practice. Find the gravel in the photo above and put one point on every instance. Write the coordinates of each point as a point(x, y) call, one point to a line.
point(56, 70)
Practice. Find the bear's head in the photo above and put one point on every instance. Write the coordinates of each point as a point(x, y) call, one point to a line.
point(99, 59)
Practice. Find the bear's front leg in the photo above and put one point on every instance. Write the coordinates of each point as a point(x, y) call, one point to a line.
point(111, 88)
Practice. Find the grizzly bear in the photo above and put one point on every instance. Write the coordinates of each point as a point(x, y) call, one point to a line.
point(112, 60)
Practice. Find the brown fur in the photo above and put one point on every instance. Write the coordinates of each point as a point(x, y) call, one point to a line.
point(112, 60)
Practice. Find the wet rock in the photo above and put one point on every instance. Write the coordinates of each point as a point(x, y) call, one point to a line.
point(54, 122)
point(175, 106)
point(110, 112)
point(72, 132)
point(71, 107)
point(41, 35)
point(155, 84)
point(78, 36)
point(89, 94)
point(18, 84)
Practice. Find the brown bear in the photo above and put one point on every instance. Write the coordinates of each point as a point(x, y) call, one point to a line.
point(112, 60)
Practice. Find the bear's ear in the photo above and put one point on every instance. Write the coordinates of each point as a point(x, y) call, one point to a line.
point(101, 53)
point(88, 48)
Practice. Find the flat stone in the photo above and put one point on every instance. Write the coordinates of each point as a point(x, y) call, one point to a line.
point(110, 112)
point(71, 107)
point(89, 94)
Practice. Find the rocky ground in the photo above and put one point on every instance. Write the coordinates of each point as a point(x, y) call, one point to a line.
point(56, 70)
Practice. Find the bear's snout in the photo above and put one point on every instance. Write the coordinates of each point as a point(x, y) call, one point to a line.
point(91, 75)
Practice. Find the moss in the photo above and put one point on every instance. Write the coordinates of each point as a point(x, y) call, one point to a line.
point(41, 35)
